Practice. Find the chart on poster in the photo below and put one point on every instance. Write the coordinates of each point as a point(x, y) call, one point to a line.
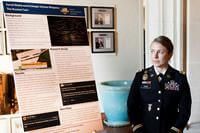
point(52, 65)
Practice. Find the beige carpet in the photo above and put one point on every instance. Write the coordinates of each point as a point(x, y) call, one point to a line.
point(194, 128)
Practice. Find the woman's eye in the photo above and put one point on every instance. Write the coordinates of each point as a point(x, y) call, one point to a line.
point(162, 52)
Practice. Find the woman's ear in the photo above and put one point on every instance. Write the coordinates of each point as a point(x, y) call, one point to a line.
point(170, 55)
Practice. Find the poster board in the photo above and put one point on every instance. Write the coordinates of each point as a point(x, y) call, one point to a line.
point(53, 72)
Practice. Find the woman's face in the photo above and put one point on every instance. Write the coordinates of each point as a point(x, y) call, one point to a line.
point(159, 55)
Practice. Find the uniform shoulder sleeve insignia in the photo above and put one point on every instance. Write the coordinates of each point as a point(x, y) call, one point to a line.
point(145, 71)
point(182, 72)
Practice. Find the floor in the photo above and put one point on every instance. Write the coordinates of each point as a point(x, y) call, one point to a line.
point(194, 128)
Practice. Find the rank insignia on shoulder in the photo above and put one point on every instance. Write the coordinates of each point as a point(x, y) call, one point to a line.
point(139, 70)
point(145, 76)
point(182, 72)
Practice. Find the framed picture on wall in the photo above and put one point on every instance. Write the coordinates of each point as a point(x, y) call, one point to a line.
point(1, 43)
point(1, 16)
point(7, 47)
point(102, 17)
point(103, 41)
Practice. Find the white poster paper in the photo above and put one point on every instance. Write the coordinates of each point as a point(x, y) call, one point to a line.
point(52, 68)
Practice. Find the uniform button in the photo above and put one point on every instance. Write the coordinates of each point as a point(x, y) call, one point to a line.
point(158, 109)
point(159, 92)
point(159, 100)
point(157, 117)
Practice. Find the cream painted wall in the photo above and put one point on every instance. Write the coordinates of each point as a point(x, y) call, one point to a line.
point(193, 57)
point(5, 64)
point(129, 56)
point(129, 50)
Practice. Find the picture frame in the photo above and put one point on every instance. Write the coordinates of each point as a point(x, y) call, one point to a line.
point(1, 16)
point(102, 17)
point(1, 42)
point(103, 41)
point(7, 47)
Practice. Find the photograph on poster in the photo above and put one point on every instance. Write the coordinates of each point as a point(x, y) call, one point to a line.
point(102, 17)
point(67, 31)
point(103, 42)
point(31, 59)
point(8, 97)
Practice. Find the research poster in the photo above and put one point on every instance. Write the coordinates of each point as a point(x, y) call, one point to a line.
point(52, 65)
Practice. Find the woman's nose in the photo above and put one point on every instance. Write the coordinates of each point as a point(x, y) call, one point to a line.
point(155, 55)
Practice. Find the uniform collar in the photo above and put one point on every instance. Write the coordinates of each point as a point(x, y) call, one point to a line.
point(163, 72)
point(152, 72)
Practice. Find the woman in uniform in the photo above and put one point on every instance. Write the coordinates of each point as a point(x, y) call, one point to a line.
point(159, 100)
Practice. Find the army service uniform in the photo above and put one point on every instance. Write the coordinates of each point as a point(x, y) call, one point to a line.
point(157, 106)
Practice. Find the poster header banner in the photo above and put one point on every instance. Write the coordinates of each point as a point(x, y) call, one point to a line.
point(44, 9)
